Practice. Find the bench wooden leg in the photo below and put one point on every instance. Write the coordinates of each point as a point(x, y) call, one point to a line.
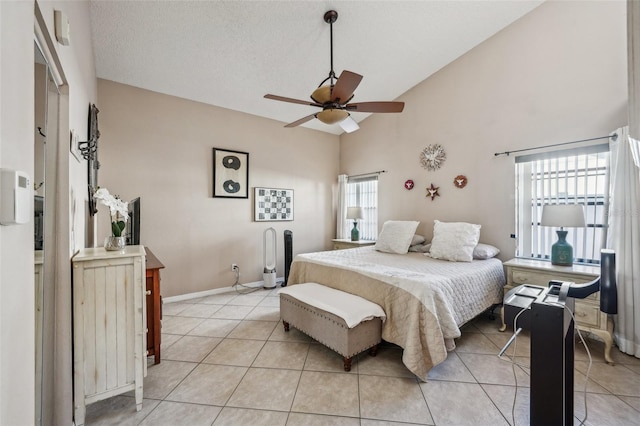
point(373, 351)
point(286, 325)
point(347, 363)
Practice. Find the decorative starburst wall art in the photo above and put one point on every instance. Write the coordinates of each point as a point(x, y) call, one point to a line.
point(432, 191)
point(432, 157)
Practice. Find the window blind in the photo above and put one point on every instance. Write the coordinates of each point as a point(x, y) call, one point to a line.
point(574, 176)
point(362, 191)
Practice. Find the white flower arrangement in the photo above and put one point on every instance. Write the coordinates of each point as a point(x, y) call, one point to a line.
point(118, 209)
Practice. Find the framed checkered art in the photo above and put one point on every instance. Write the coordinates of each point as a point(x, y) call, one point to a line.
point(273, 204)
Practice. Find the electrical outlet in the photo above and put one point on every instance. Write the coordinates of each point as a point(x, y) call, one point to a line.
point(234, 267)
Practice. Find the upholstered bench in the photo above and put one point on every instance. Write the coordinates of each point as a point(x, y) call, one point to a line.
point(345, 323)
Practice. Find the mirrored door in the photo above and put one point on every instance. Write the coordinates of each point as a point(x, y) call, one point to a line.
point(45, 123)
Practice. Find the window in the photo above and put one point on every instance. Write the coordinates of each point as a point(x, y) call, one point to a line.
point(574, 176)
point(362, 191)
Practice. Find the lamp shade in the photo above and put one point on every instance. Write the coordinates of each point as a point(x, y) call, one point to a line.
point(322, 94)
point(563, 215)
point(355, 213)
point(332, 116)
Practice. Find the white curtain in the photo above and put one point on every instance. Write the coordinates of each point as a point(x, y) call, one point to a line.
point(624, 239)
point(341, 214)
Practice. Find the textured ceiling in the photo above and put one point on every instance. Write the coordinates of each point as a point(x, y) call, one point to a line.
point(231, 53)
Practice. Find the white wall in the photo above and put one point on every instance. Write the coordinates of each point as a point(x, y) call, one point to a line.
point(16, 242)
point(16, 152)
point(159, 147)
point(556, 75)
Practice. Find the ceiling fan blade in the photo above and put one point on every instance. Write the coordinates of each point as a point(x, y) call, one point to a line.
point(375, 107)
point(345, 86)
point(301, 121)
point(291, 100)
point(349, 125)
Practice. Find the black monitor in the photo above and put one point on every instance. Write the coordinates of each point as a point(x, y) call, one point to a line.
point(133, 224)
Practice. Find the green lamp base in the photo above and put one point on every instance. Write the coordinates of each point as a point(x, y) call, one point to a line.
point(355, 234)
point(561, 251)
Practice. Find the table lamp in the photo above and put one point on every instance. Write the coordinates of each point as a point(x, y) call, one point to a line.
point(563, 215)
point(355, 213)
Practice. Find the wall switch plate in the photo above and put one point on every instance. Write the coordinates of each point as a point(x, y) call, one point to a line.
point(73, 145)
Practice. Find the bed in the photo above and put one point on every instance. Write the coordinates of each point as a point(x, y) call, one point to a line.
point(426, 300)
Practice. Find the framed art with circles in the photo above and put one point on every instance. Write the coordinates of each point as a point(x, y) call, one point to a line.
point(230, 173)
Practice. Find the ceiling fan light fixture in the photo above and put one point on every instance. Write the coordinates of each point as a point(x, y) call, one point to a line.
point(334, 98)
point(332, 116)
point(322, 94)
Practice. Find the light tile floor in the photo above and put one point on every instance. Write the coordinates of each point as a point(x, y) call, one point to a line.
point(226, 360)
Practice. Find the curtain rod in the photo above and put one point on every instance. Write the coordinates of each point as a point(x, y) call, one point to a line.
point(367, 174)
point(614, 137)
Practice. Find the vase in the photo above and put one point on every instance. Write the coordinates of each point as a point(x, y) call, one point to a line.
point(114, 243)
point(355, 233)
point(561, 251)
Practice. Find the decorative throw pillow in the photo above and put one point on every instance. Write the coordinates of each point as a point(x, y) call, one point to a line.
point(454, 241)
point(396, 236)
point(420, 248)
point(485, 251)
point(417, 239)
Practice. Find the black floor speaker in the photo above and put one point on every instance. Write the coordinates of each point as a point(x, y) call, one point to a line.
point(288, 255)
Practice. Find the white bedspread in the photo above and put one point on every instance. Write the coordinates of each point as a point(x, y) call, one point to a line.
point(351, 308)
point(426, 300)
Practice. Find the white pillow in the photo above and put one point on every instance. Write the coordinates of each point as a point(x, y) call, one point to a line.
point(454, 241)
point(417, 239)
point(420, 248)
point(396, 236)
point(485, 251)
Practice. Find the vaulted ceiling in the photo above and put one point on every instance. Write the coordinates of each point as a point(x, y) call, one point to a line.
point(231, 53)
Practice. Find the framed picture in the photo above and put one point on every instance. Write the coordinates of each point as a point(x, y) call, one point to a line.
point(230, 173)
point(273, 204)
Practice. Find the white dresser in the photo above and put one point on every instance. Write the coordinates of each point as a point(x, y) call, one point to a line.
point(340, 244)
point(109, 315)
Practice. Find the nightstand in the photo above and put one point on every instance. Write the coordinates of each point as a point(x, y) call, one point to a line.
point(587, 313)
point(340, 244)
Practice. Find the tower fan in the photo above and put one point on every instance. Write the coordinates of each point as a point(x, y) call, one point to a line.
point(269, 252)
point(288, 255)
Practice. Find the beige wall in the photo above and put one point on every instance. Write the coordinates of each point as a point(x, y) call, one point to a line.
point(556, 75)
point(159, 147)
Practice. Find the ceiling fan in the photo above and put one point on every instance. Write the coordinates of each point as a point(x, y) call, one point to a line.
point(334, 98)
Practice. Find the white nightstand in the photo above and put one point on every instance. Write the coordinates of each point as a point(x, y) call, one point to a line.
point(339, 244)
point(587, 311)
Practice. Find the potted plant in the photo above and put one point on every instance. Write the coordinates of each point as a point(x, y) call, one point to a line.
point(119, 211)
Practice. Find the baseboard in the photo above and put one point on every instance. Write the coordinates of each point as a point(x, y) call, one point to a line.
point(196, 295)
